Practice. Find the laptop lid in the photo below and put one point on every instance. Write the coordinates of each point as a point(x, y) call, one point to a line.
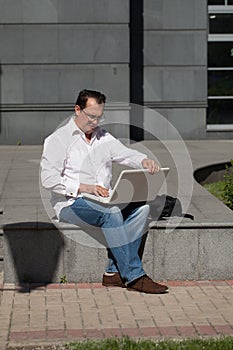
point(133, 185)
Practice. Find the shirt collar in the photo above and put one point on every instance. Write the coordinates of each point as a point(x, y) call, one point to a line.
point(74, 129)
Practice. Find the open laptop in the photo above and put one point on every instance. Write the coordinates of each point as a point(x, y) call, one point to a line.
point(133, 185)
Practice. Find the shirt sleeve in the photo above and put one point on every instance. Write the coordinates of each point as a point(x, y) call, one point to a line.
point(52, 166)
point(125, 155)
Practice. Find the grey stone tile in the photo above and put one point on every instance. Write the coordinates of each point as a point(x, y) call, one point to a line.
point(11, 44)
point(216, 251)
point(160, 14)
point(175, 254)
point(87, 11)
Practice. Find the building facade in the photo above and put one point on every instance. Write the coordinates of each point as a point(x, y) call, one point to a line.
point(162, 54)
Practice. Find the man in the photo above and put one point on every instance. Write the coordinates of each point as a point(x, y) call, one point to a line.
point(78, 158)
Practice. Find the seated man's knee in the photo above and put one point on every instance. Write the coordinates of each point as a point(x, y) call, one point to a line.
point(114, 210)
point(144, 209)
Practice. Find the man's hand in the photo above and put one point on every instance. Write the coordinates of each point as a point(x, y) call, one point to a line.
point(94, 189)
point(150, 165)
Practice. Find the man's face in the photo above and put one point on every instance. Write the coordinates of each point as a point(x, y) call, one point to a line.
point(88, 118)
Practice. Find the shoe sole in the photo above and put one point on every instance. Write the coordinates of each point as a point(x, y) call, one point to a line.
point(142, 291)
point(113, 285)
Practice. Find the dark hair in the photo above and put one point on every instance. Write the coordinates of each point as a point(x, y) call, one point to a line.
point(85, 94)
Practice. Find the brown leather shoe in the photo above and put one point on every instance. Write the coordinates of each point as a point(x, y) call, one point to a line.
point(146, 285)
point(113, 281)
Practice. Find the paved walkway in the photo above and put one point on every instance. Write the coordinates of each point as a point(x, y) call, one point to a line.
point(58, 313)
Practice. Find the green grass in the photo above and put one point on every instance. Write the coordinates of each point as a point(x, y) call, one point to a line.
point(216, 189)
point(126, 343)
point(223, 190)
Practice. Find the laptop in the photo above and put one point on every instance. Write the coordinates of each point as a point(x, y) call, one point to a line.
point(133, 185)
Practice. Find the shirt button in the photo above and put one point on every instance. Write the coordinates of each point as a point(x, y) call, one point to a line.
point(71, 193)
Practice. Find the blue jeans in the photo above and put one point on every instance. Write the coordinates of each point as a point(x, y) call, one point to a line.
point(123, 231)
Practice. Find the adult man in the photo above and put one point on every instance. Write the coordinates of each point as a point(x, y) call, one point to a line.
point(78, 158)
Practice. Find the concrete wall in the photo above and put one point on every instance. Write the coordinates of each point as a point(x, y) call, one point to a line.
point(175, 59)
point(51, 49)
point(40, 253)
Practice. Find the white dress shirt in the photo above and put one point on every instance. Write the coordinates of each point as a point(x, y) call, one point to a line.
point(68, 159)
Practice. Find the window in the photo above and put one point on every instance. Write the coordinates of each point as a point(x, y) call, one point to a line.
point(220, 53)
point(220, 112)
point(220, 83)
point(216, 2)
point(220, 2)
point(220, 65)
point(221, 23)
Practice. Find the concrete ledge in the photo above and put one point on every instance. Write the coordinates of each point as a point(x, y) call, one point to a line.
point(193, 253)
point(32, 253)
point(40, 253)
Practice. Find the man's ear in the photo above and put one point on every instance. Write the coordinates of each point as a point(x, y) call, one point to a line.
point(77, 108)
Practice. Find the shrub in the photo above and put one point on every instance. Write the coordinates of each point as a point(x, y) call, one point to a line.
point(228, 188)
